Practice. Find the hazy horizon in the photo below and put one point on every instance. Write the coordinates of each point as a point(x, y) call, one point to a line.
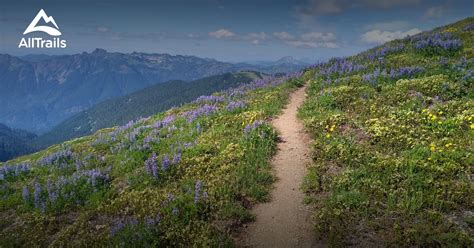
point(226, 30)
point(39, 53)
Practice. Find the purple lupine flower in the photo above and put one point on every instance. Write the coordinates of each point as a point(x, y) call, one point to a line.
point(212, 99)
point(175, 211)
point(402, 72)
point(26, 194)
point(469, 27)
point(198, 128)
point(52, 195)
point(235, 105)
point(133, 221)
point(94, 177)
point(247, 129)
point(165, 163)
point(443, 41)
point(57, 158)
point(197, 191)
point(117, 227)
point(165, 122)
point(151, 165)
point(37, 195)
point(257, 123)
point(201, 111)
point(147, 140)
point(149, 221)
point(379, 53)
point(254, 125)
point(13, 170)
point(78, 165)
point(443, 61)
point(171, 197)
point(177, 158)
point(405, 72)
point(42, 207)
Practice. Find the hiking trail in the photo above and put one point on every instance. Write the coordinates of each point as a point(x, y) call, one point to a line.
point(285, 221)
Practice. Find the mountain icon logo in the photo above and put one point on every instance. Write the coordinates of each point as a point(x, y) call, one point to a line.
point(47, 29)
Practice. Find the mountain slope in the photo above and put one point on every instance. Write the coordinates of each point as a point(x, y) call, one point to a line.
point(146, 102)
point(393, 132)
point(14, 142)
point(39, 93)
point(166, 180)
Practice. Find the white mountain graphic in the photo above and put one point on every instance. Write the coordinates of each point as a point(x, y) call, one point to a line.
point(47, 19)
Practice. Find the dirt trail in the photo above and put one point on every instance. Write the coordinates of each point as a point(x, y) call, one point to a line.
point(285, 221)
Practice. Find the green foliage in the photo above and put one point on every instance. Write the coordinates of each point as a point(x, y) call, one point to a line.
point(146, 102)
point(222, 170)
point(393, 159)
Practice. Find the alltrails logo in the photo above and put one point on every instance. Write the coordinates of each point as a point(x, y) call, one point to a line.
point(38, 42)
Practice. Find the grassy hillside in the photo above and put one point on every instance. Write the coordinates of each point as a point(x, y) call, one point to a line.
point(146, 102)
point(393, 147)
point(60, 86)
point(179, 178)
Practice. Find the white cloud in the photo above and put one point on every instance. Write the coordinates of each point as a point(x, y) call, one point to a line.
point(102, 29)
point(283, 36)
point(310, 44)
point(318, 37)
point(193, 36)
point(254, 38)
point(308, 40)
point(378, 36)
point(305, 40)
point(434, 12)
point(256, 42)
point(222, 34)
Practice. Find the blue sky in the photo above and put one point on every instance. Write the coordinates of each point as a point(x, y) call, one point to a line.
point(229, 30)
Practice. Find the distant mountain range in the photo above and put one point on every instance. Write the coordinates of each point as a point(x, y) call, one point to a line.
point(143, 103)
point(287, 60)
point(120, 110)
point(37, 94)
point(40, 91)
point(283, 65)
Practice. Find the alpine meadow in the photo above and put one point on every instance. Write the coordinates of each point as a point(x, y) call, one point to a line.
point(333, 147)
